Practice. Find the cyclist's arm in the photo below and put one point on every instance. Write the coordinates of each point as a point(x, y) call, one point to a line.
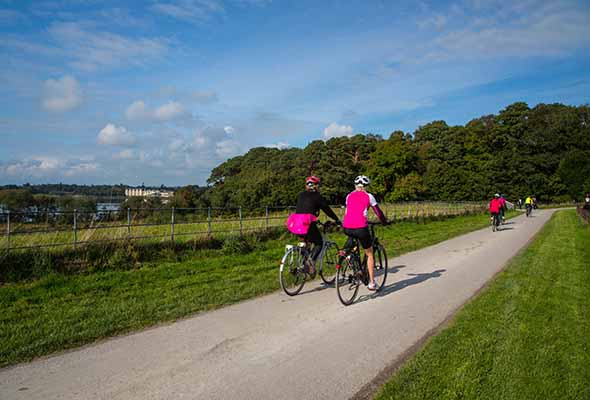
point(380, 215)
point(376, 209)
point(326, 208)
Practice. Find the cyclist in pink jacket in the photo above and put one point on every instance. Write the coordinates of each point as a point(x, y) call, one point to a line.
point(355, 222)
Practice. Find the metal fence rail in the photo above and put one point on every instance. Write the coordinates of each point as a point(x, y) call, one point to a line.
point(52, 228)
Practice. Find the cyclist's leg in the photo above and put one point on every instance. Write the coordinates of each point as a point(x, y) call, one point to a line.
point(370, 263)
point(314, 236)
point(364, 237)
point(349, 241)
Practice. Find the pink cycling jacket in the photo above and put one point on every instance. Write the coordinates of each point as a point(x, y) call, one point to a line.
point(357, 206)
point(299, 223)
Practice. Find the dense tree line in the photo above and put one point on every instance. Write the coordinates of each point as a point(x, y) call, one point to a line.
point(542, 151)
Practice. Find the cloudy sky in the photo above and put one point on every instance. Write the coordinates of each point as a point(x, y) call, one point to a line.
point(161, 91)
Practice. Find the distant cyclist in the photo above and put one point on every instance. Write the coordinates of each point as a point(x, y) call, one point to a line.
point(502, 206)
point(528, 204)
point(495, 205)
point(304, 222)
point(356, 225)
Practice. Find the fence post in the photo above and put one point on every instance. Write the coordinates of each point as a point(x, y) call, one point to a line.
point(128, 222)
point(75, 227)
point(172, 227)
point(240, 211)
point(266, 217)
point(8, 230)
point(209, 221)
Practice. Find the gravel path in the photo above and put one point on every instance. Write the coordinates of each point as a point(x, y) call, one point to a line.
point(280, 347)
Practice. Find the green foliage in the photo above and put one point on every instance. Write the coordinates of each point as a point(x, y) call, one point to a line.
point(519, 152)
point(16, 199)
point(542, 151)
point(574, 171)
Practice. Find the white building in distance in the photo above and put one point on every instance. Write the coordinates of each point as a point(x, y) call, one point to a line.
point(143, 192)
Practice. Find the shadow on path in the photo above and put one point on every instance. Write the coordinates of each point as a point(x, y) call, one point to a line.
point(395, 286)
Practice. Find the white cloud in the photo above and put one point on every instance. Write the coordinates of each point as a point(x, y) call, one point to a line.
point(437, 22)
point(48, 167)
point(127, 154)
point(230, 130)
point(189, 10)
point(89, 50)
point(521, 29)
point(138, 111)
point(335, 130)
point(228, 148)
point(204, 97)
point(115, 136)
point(83, 168)
point(279, 145)
point(170, 111)
point(62, 94)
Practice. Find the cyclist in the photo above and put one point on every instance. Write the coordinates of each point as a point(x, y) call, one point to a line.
point(502, 206)
point(495, 205)
point(303, 222)
point(528, 204)
point(355, 222)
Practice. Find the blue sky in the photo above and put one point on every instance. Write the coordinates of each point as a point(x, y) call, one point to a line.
point(162, 91)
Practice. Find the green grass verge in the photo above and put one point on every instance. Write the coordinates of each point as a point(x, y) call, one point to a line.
point(526, 337)
point(62, 311)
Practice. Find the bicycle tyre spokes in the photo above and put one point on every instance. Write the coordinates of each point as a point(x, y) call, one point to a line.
point(381, 266)
point(347, 281)
point(328, 262)
point(291, 272)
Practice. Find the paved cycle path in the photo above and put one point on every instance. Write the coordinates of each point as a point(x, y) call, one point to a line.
point(279, 347)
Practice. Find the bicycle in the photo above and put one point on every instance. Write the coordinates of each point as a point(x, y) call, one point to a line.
point(495, 220)
point(293, 272)
point(351, 271)
point(529, 210)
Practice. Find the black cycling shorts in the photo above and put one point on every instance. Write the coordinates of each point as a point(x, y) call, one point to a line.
point(362, 234)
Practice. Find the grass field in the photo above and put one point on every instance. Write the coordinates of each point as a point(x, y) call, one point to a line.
point(63, 311)
point(526, 337)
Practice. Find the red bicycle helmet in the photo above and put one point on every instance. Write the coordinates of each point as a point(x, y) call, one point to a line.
point(312, 181)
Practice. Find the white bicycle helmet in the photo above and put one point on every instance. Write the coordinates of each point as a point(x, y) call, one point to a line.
point(362, 180)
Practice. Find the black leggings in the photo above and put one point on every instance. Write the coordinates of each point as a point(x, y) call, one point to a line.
point(314, 236)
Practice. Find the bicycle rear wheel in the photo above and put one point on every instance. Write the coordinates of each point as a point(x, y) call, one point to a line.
point(380, 270)
point(328, 263)
point(347, 280)
point(291, 272)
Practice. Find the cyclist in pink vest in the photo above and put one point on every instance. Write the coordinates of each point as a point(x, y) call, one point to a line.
point(356, 225)
point(303, 221)
point(495, 206)
point(502, 201)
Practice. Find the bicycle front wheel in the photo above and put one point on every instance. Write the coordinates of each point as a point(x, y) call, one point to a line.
point(347, 280)
point(328, 263)
point(381, 266)
point(292, 273)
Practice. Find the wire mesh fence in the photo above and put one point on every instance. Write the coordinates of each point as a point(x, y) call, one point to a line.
point(53, 228)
